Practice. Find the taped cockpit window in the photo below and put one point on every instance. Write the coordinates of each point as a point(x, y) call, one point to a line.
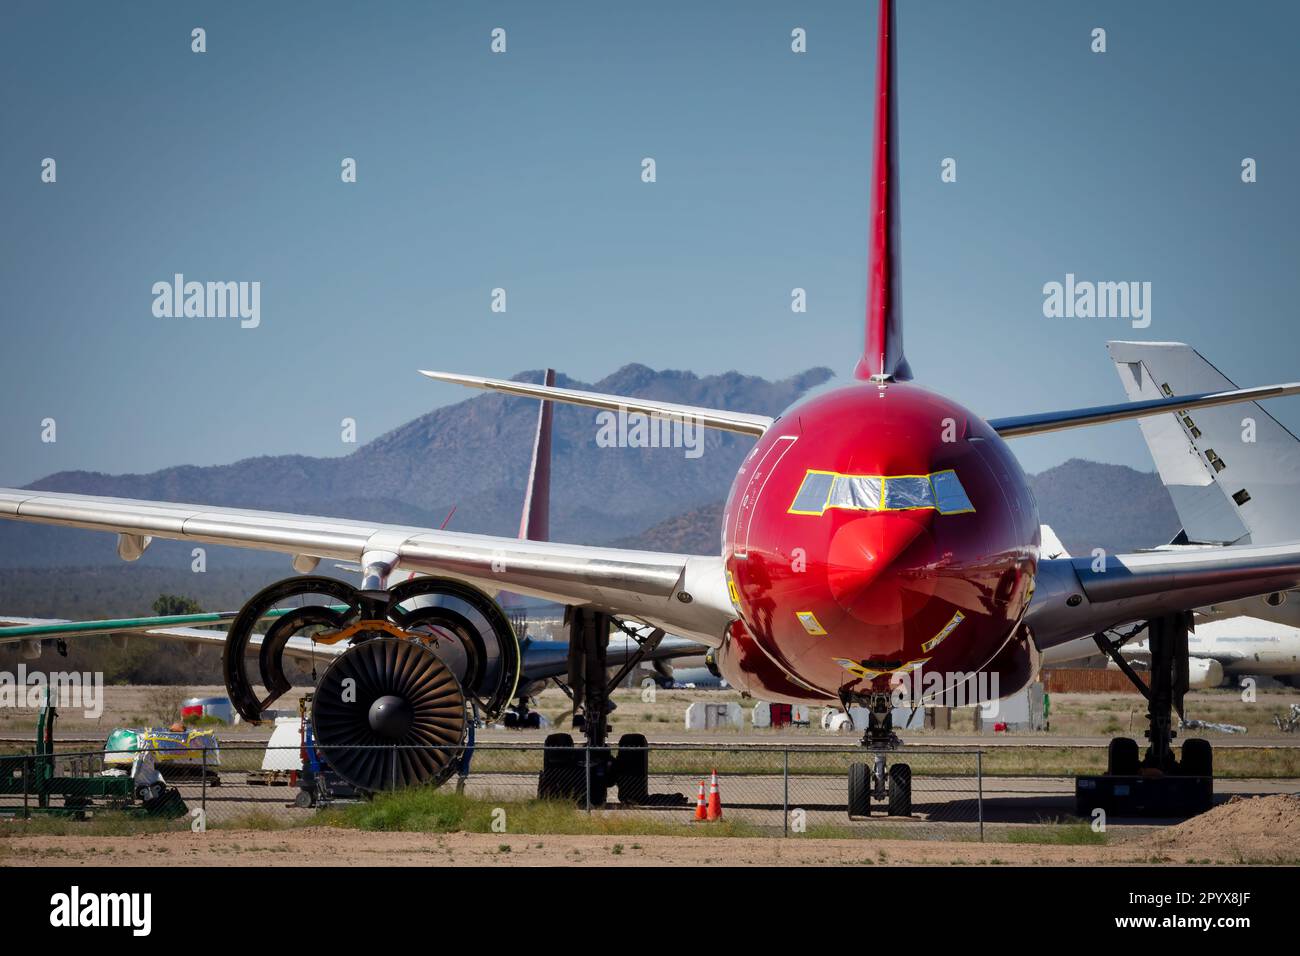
point(950, 497)
point(908, 491)
point(822, 491)
point(858, 492)
point(811, 499)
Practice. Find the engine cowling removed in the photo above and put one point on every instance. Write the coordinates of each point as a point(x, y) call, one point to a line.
point(389, 713)
point(391, 710)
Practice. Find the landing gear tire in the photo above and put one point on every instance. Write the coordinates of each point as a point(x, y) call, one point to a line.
point(562, 770)
point(900, 790)
point(1122, 757)
point(1198, 758)
point(632, 769)
point(859, 790)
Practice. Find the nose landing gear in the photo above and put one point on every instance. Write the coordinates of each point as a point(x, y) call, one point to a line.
point(878, 781)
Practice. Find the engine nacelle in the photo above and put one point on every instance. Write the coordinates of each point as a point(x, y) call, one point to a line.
point(460, 624)
point(1204, 673)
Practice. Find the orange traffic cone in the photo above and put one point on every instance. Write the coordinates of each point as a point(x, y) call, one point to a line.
point(701, 812)
point(715, 799)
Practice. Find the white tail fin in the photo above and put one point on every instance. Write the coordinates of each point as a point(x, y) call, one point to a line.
point(1051, 546)
point(1233, 471)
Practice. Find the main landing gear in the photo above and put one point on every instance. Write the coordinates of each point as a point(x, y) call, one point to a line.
point(1157, 784)
point(891, 785)
point(586, 773)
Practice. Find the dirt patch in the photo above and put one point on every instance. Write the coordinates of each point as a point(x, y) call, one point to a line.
point(322, 846)
point(1254, 827)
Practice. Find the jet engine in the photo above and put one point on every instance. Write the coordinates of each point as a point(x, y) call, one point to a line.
point(1204, 673)
point(393, 708)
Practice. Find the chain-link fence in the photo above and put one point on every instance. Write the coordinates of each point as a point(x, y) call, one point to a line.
point(814, 790)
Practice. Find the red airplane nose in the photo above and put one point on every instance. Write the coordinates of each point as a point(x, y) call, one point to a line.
point(869, 561)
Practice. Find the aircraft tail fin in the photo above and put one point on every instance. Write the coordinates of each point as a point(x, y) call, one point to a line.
point(535, 522)
point(1051, 546)
point(882, 352)
point(1233, 471)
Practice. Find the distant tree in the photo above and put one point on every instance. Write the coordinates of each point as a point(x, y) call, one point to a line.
point(169, 604)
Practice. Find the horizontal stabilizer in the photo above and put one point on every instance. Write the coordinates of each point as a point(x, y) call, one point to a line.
point(1101, 414)
point(740, 422)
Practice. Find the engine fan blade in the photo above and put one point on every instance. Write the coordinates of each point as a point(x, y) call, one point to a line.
point(388, 713)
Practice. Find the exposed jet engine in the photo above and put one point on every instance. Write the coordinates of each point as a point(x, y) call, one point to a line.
point(419, 657)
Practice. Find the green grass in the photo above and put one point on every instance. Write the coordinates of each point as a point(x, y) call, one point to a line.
point(103, 823)
point(1066, 834)
point(438, 811)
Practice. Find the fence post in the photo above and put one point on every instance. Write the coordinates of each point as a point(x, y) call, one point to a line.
point(979, 783)
point(785, 793)
point(586, 752)
point(203, 791)
point(26, 786)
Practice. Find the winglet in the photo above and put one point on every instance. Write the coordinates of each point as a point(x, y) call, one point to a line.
point(535, 523)
point(883, 351)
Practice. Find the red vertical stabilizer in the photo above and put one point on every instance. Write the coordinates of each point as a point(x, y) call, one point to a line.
point(535, 523)
point(883, 351)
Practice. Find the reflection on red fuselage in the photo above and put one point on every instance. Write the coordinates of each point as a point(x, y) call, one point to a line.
point(837, 602)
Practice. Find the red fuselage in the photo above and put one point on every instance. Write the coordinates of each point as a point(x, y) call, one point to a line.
point(873, 530)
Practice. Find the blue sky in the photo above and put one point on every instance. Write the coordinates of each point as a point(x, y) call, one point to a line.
point(522, 171)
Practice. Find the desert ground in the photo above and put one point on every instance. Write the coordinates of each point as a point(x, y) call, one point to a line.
point(1259, 830)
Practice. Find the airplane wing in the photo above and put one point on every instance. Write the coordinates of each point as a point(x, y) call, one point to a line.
point(541, 659)
point(1042, 422)
point(747, 424)
point(683, 594)
point(18, 630)
point(1077, 597)
point(740, 422)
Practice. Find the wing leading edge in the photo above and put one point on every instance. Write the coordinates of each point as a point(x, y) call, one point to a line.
point(684, 594)
point(1078, 597)
point(741, 422)
point(1038, 424)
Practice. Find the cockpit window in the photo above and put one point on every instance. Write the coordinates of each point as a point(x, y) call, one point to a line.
point(908, 491)
point(824, 490)
point(859, 492)
point(811, 499)
point(950, 496)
